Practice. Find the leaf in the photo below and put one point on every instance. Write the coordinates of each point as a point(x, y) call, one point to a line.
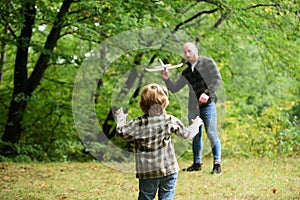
point(61, 196)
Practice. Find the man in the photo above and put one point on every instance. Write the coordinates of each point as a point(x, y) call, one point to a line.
point(203, 78)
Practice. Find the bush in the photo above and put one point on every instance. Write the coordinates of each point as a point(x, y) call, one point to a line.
point(274, 132)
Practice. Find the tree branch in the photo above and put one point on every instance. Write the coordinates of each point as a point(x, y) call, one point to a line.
point(51, 41)
point(194, 17)
point(261, 5)
point(220, 20)
point(11, 31)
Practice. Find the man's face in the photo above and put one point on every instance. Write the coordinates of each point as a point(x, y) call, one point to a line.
point(190, 52)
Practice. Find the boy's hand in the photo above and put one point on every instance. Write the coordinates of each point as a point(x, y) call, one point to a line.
point(198, 121)
point(194, 127)
point(121, 117)
point(119, 111)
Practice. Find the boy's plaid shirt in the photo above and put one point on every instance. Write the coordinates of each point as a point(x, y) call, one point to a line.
point(154, 149)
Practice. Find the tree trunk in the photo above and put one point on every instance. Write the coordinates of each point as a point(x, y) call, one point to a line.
point(12, 132)
point(23, 87)
point(2, 60)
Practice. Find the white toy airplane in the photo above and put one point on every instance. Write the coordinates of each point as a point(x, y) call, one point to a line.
point(163, 67)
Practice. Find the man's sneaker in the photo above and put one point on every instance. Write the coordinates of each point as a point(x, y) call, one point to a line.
point(194, 167)
point(216, 169)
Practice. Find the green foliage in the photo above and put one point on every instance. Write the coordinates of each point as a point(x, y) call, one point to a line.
point(270, 134)
point(295, 113)
point(288, 141)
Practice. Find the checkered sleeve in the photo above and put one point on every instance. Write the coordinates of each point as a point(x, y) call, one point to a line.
point(185, 132)
point(124, 130)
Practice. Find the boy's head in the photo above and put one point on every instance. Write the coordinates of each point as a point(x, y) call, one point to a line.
point(154, 99)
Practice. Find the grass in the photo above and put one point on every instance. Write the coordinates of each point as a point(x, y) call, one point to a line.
point(252, 178)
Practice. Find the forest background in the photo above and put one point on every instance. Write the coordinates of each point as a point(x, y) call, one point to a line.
point(66, 65)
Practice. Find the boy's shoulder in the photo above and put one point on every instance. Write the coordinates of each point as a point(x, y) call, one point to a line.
point(141, 118)
point(161, 117)
point(147, 119)
point(171, 117)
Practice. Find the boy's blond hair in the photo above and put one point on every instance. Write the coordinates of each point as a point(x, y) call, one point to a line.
point(154, 99)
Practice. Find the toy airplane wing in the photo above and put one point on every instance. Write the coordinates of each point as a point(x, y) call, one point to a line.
point(163, 67)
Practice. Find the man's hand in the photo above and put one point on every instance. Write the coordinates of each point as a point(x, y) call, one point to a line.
point(165, 74)
point(203, 98)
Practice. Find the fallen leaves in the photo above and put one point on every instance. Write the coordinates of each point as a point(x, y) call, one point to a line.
point(61, 196)
point(6, 178)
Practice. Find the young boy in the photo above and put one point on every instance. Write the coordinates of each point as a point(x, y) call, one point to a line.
point(156, 163)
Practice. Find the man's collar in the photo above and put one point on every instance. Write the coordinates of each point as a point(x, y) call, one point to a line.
point(194, 65)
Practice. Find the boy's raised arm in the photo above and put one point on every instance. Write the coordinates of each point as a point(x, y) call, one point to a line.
point(186, 132)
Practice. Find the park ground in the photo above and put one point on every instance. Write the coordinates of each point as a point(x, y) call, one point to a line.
point(242, 178)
